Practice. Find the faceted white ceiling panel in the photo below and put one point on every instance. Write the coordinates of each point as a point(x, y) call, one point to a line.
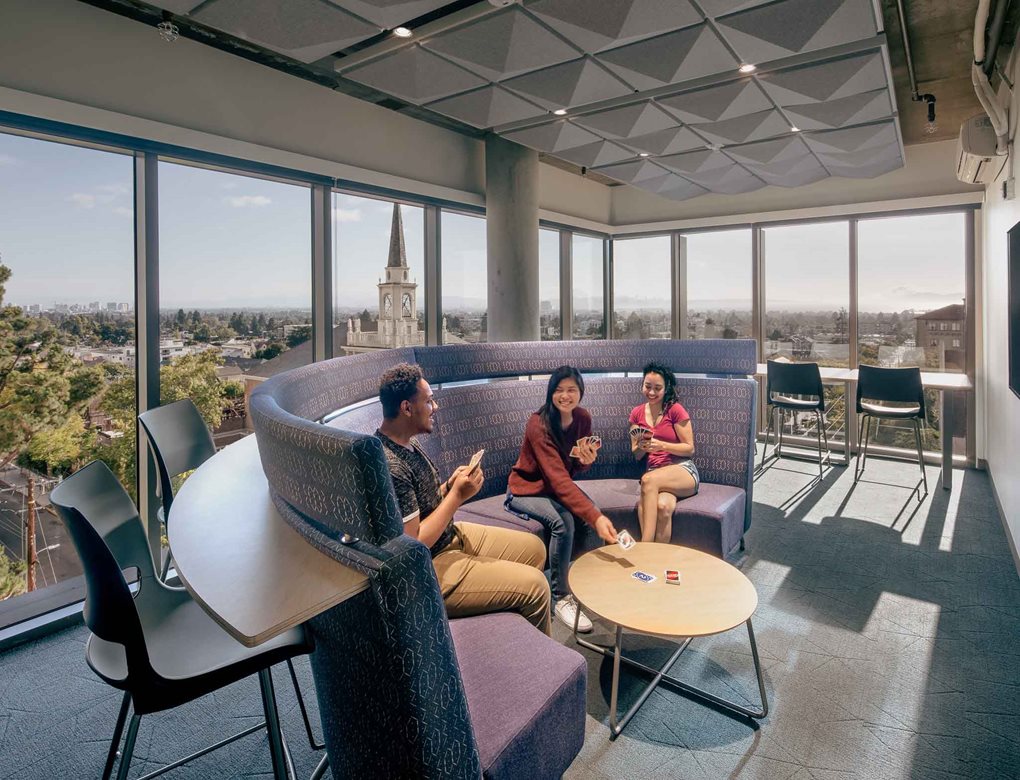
point(416, 75)
point(553, 137)
point(676, 139)
point(714, 104)
point(635, 119)
point(305, 30)
point(598, 153)
point(672, 58)
point(569, 85)
point(487, 107)
point(851, 110)
point(390, 13)
point(599, 24)
point(651, 88)
point(769, 32)
point(503, 44)
point(823, 81)
point(633, 171)
point(763, 124)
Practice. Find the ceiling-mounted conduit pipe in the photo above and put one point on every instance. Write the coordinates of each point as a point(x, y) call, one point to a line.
point(985, 94)
point(917, 98)
point(995, 35)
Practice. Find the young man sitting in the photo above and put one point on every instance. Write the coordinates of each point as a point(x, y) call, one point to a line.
point(480, 568)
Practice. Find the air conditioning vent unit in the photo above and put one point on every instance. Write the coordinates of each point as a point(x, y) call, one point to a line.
point(976, 160)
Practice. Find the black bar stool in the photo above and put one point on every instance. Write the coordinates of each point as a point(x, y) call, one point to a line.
point(877, 387)
point(783, 382)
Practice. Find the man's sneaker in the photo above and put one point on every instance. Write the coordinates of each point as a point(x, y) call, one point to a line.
point(567, 610)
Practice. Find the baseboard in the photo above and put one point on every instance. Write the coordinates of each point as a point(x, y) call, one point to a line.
point(1005, 526)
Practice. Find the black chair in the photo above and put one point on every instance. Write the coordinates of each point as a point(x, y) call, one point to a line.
point(180, 441)
point(784, 382)
point(158, 645)
point(877, 387)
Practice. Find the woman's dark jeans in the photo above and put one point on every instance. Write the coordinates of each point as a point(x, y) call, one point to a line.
point(560, 524)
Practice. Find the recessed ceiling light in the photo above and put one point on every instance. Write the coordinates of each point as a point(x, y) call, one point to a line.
point(560, 112)
point(794, 129)
point(643, 154)
point(402, 32)
point(747, 67)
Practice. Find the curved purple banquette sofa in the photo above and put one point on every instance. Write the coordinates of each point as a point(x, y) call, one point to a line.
point(402, 690)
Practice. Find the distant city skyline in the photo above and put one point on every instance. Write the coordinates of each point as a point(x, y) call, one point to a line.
point(235, 242)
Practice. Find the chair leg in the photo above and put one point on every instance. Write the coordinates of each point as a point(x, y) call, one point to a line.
point(818, 436)
point(165, 567)
point(276, 751)
point(129, 747)
point(778, 449)
point(862, 446)
point(118, 731)
point(768, 432)
point(320, 769)
point(920, 456)
point(304, 712)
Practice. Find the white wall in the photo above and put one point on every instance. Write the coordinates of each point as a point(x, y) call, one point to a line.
point(929, 170)
point(61, 59)
point(1002, 408)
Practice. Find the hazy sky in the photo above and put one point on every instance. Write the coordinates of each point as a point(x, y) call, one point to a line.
point(228, 241)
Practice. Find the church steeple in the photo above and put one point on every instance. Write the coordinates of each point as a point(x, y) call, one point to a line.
point(398, 253)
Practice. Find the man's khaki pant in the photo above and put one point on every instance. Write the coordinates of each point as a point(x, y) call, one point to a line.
point(487, 569)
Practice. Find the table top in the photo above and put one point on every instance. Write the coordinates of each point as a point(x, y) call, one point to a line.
point(713, 596)
point(254, 574)
point(932, 380)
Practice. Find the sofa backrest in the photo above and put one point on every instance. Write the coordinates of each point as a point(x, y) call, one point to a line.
point(457, 362)
point(493, 415)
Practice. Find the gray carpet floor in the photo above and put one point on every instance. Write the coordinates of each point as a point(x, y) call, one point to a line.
point(887, 629)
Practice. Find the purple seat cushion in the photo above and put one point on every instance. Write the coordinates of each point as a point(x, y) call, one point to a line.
point(711, 521)
point(490, 511)
point(525, 693)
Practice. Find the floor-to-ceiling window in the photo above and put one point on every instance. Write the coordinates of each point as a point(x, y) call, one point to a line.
point(807, 305)
point(642, 284)
point(235, 288)
point(719, 284)
point(378, 274)
point(67, 342)
point(912, 311)
point(549, 284)
point(465, 274)
point(588, 294)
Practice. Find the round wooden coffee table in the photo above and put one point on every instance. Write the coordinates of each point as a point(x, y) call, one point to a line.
point(712, 597)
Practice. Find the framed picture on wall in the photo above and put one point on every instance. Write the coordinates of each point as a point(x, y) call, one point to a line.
point(1014, 308)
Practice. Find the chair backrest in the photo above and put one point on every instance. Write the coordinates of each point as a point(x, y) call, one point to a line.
point(892, 385)
point(179, 440)
point(794, 379)
point(108, 536)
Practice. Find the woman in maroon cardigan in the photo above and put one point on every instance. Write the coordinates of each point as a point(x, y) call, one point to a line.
point(542, 487)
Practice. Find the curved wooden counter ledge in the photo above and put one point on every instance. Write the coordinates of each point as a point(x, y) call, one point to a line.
point(254, 574)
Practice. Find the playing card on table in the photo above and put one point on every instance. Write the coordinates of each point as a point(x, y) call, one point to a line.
point(625, 540)
point(643, 576)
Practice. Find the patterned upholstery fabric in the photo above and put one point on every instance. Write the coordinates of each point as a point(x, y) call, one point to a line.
point(391, 696)
point(393, 702)
point(509, 672)
point(469, 361)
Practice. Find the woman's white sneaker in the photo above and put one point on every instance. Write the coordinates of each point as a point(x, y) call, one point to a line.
point(567, 611)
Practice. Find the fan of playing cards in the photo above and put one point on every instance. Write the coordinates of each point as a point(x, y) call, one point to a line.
point(594, 441)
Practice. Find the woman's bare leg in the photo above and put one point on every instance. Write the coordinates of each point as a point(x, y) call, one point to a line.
point(664, 520)
point(674, 480)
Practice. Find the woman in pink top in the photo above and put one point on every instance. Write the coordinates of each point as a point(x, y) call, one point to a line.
point(667, 442)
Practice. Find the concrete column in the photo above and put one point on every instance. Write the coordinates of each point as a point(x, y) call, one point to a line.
point(511, 206)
